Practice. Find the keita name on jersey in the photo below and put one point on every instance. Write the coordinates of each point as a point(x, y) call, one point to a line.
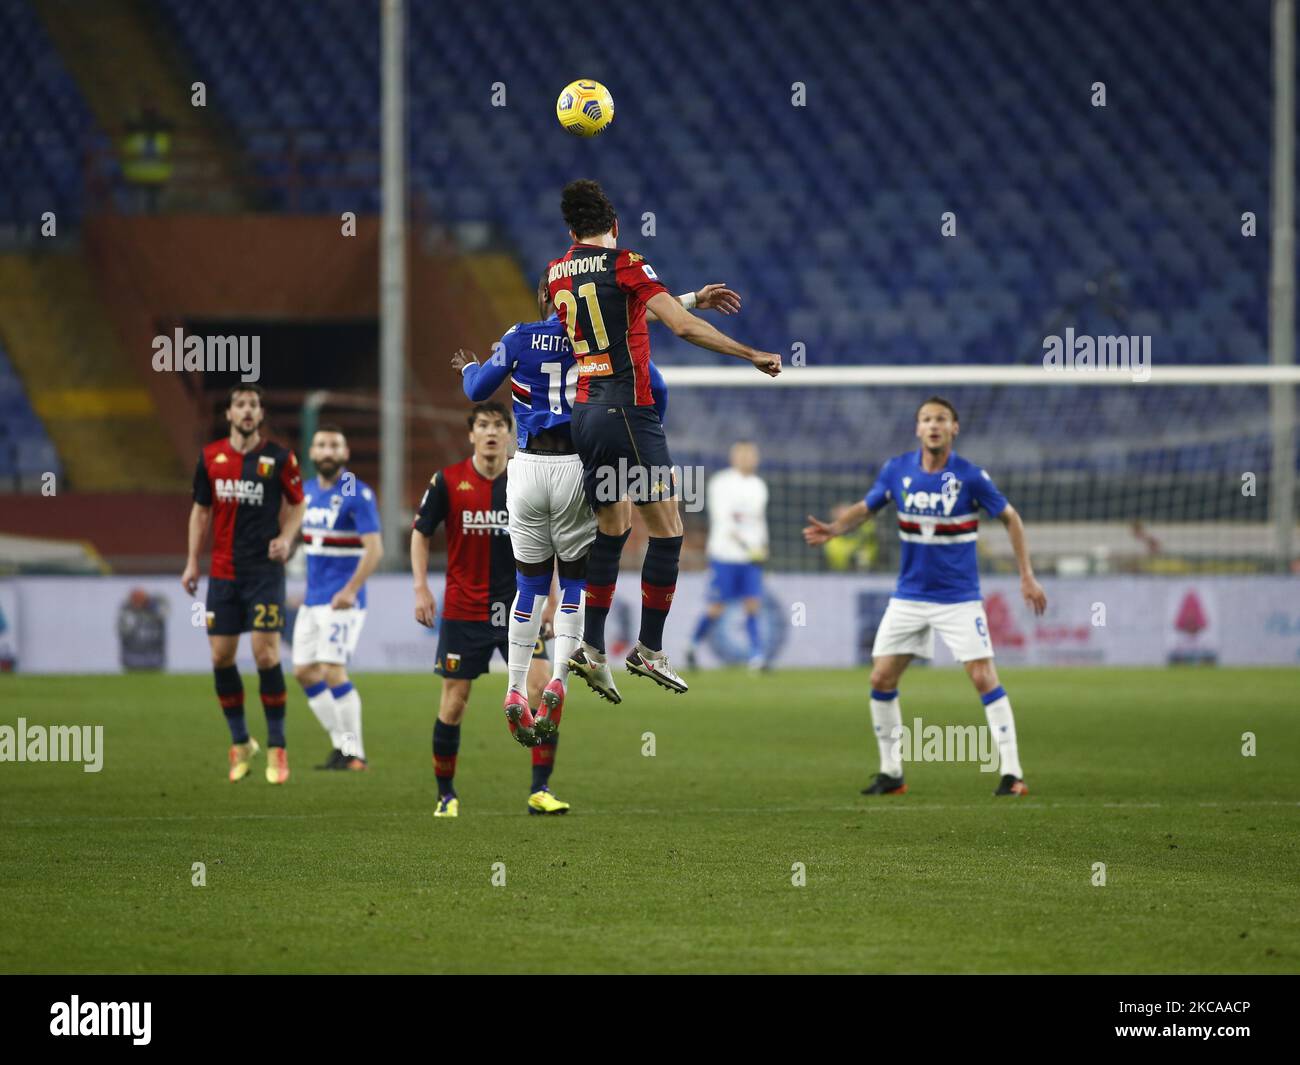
point(485, 521)
point(586, 265)
point(240, 491)
point(550, 342)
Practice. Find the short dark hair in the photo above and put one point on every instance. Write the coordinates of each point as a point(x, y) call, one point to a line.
point(330, 427)
point(244, 386)
point(586, 209)
point(491, 407)
point(943, 403)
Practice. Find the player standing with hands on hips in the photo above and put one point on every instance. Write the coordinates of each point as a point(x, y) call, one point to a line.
point(938, 494)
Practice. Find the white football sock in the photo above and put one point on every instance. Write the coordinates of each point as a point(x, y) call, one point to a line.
point(1003, 726)
point(524, 629)
point(349, 716)
point(568, 635)
point(326, 711)
point(887, 722)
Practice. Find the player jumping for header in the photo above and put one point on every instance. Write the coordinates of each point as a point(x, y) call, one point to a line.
point(602, 293)
point(549, 514)
point(937, 494)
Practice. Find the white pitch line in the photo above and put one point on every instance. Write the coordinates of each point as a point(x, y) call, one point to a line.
point(889, 806)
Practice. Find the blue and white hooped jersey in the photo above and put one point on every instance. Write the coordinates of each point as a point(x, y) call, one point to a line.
point(543, 373)
point(332, 528)
point(938, 523)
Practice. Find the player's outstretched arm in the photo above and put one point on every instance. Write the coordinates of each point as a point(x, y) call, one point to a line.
point(715, 296)
point(1033, 592)
point(817, 532)
point(426, 607)
point(481, 379)
point(200, 517)
point(702, 334)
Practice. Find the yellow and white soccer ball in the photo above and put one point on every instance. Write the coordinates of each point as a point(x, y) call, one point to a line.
point(585, 108)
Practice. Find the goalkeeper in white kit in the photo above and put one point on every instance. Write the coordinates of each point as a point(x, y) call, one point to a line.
point(737, 502)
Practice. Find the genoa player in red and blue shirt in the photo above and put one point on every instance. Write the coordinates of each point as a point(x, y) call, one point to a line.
point(249, 490)
point(469, 498)
point(602, 293)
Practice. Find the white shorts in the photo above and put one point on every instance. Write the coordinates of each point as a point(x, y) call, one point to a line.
point(322, 634)
point(908, 628)
point(549, 512)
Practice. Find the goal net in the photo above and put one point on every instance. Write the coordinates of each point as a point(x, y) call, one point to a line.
point(1192, 471)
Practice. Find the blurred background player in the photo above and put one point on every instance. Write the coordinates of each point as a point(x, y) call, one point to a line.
point(937, 494)
point(737, 502)
point(343, 546)
point(545, 495)
point(470, 497)
point(254, 490)
point(855, 550)
point(602, 294)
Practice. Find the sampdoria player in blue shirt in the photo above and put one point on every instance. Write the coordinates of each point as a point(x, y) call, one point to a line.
point(343, 546)
point(939, 496)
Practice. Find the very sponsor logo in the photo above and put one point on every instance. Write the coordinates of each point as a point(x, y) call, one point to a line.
point(326, 516)
point(944, 499)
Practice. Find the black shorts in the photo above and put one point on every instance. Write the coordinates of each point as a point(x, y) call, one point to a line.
point(465, 648)
point(252, 602)
point(624, 454)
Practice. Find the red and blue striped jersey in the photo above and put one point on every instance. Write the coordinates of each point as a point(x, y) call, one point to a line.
point(600, 295)
point(245, 492)
point(480, 564)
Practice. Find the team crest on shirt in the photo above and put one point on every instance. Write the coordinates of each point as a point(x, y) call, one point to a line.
point(950, 490)
point(265, 466)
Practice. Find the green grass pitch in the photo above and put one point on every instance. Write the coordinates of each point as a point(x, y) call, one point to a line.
point(681, 862)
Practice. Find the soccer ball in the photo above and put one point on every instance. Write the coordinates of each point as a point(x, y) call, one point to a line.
point(585, 108)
